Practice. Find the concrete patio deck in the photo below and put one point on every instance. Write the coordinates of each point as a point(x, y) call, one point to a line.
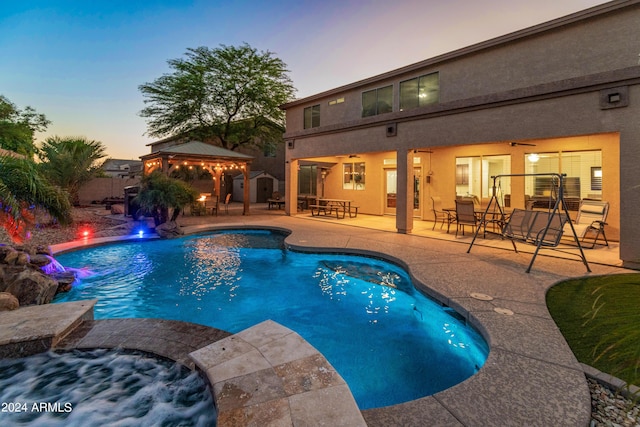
point(530, 377)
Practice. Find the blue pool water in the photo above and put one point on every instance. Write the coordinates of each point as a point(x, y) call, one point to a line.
point(387, 340)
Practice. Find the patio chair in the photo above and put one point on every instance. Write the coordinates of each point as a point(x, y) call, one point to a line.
point(227, 200)
point(465, 215)
point(211, 204)
point(275, 200)
point(590, 221)
point(440, 215)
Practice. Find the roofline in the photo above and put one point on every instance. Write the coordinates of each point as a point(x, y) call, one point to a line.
point(582, 15)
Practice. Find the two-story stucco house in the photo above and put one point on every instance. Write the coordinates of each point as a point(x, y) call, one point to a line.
point(560, 97)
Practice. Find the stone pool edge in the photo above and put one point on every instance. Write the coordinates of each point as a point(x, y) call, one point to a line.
point(264, 375)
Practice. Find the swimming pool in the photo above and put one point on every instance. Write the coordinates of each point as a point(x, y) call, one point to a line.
point(389, 342)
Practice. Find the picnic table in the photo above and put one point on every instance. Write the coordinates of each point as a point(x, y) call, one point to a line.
point(340, 207)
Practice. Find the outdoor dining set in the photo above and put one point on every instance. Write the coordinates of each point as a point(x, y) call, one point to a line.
point(329, 207)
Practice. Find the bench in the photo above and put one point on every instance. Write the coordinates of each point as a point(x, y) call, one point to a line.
point(530, 226)
point(330, 209)
point(316, 210)
point(353, 211)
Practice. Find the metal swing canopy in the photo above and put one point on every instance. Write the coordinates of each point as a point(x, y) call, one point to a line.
point(213, 158)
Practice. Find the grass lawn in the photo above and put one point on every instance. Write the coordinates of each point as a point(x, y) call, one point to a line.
point(600, 319)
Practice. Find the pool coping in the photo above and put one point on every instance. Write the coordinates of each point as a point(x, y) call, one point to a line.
point(530, 376)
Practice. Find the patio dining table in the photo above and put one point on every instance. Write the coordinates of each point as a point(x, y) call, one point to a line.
point(493, 217)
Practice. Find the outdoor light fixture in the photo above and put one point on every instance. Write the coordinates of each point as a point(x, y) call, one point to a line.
point(354, 156)
point(513, 144)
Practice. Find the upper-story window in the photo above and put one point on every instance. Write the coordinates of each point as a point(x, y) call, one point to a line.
point(419, 91)
point(312, 117)
point(377, 101)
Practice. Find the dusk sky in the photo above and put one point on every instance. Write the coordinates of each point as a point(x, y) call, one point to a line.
point(80, 62)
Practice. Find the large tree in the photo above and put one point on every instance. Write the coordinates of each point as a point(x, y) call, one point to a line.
point(230, 95)
point(70, 162)
point(18, 127)
point(22, 189)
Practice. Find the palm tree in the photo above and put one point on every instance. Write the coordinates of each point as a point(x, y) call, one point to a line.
point(22, 189)
point(70, 162)
point(160, 193)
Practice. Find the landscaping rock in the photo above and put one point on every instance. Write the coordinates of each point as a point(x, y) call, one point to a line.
point(8, 302)
point(169, 229)
point(23, 258)
point(40, 260)
point(117, 209)
point(31, 287)
point(65, 280)
point(11, 257)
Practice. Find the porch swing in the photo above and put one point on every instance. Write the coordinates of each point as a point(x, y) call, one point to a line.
point(540, 228)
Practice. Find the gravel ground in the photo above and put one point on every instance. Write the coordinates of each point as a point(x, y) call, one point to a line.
point(608, 409)
point(97, 219)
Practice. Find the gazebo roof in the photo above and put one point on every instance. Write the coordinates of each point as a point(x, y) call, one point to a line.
point(198, 148)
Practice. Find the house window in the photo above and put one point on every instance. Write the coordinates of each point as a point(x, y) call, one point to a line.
point(474, 177)
point(377, 101)
point(336, 101)
point(308, 180)
point(312, 117)
point(269, 149)
point(580, 169)
point(419, 91)
point(353, 176)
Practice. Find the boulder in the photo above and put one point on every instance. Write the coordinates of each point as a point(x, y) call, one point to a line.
point(8, 302)
point(40, 260)
point(117, 209)
point(31, 287)
point(23, 258)
point(11, 257)
point(65, 280)
point(169, 230)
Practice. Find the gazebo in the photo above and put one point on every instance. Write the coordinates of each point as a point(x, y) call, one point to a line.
point(216, 160)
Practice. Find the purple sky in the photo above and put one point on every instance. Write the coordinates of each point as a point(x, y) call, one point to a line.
point(81, 62)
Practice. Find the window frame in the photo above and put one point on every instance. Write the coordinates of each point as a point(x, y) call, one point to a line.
point(410, 97)
point(376, 104)
point(311, 117)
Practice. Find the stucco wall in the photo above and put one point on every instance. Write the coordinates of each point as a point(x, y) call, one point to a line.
point(100, 188)
point(543, 86)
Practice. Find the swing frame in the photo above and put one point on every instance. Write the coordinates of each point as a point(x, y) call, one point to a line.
point(530, 230)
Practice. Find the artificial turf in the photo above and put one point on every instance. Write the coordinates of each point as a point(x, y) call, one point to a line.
point(600, 319)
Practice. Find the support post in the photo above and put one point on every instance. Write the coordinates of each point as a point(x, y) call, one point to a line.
point(404, 191)
point(247, 192)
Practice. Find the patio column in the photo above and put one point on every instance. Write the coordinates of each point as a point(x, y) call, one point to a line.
point(404, 192)
point(165, 165)
point(247, 192)
point(291, 191)
point(217, 176)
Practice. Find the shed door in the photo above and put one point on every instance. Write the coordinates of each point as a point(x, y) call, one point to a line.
point(264, 189)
